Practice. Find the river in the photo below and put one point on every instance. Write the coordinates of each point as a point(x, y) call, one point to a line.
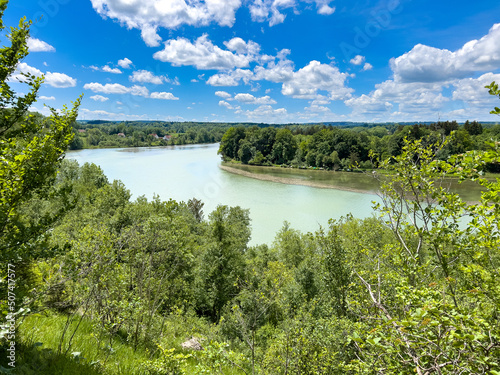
point(184, 172)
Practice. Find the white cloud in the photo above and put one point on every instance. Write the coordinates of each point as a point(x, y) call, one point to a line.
point(149, 15)
point(358, 60)
point(107, 69)
point(99, 98)
point(326, 10)
point(472, 92)
point(267, 113)
point(368, 105)
point(429, 64)
point(250, 99)
point(232, 78)
point(407, 101)
point(105, 115)
point(270, 10)
point(201, 54)
point(223, 103)
point(367, 66)
point(163, 95)
point(59, 80)
point(276, 72)
point(150, 36)
point(238, 45)
point(315, 76)
point(146, 76)
point(125, 63)
point(223, 94)
point(37, 45)
point(47, 97)
point(23, 68)
point(116, 88)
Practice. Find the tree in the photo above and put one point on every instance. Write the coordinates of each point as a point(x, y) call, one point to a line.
point(222, 261)
point(31, 148)
point(246, 151)
point(284, 147)
point(493, 90)
point(432, 290)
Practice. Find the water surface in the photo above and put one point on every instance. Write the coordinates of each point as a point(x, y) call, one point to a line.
point(184, 172)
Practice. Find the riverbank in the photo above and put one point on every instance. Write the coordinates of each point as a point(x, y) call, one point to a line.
point(365, 183)
point(337, 184)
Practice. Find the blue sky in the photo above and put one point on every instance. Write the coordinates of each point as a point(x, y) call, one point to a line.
point(274, 61)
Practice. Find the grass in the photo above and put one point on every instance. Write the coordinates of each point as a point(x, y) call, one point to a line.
point(39, 339)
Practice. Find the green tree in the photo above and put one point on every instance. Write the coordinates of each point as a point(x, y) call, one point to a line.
point(493, 90)
point(284, 147)
point(246, 151)
point(31, 148)
point(222, 261)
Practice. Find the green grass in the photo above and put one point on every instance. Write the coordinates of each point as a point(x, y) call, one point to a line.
point(39, 337)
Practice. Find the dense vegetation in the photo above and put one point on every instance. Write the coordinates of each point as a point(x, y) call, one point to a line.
point(101, 134)
point(336, 148)
point(106, 285)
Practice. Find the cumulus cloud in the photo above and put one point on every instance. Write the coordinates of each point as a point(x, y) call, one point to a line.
point(105, 115)
point(145, 76)
point(279, 72)
point(23, 68)
point(47, 97)
point(406, 99)
point(472, 92)
point(202, 54)
point(223, 103)
point(99, 98)
point(358, 60)
point(37, 45)
point(223, 94)
point(107, 69)
point(367, 66)
point(232, 78)
point(238, 45)
point(429, 64)
point(149, 15)
point(125, 63)
point(250, 99)
point(116, 88)
point(163, 95)
point(315, 76)
point(271, 10)
point(58, 80)
point(326, 10)
point(267, 113)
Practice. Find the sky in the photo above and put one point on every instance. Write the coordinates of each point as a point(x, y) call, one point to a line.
point(271, 61)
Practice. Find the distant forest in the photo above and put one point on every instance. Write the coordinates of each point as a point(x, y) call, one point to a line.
point(333, 146)
point(360, 147)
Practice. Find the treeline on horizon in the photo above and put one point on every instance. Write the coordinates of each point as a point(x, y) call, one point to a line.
point(336, 148)
point(107, 134)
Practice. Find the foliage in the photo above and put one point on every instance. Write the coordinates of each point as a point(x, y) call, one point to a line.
point(493, 90)
point(337, 148)
point(30, 149)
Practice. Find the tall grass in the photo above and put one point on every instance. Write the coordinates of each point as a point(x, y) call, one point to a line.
point(42, 350)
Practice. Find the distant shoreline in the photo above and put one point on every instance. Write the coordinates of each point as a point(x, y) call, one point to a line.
point(291, 181)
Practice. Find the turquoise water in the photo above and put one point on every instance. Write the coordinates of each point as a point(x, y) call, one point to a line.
point(184, 172)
